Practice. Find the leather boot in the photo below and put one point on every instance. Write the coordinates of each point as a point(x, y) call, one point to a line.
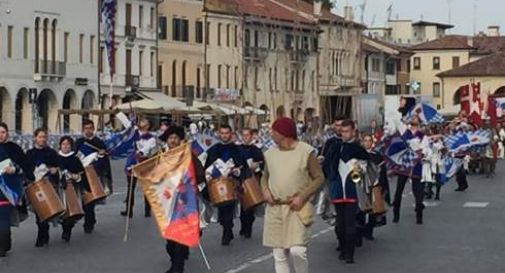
point(419, 217)
point(396, 215)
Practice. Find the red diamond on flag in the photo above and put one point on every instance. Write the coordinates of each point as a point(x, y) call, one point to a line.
point(167, 194)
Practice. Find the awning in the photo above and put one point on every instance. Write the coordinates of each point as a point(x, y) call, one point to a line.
point(167, 103)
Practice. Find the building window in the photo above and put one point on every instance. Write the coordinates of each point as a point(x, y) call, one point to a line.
point(256, 86)
point(399, 65)
point(207, 33)
point(245, 80)
point(100, 59)
point(436, 63)
point(390, 68)
point(228, 76)
point(292, 84)
point(235, 75)
point(65, 47)
point(247, 38)
point(256, 38)
point(151, 18)
point(152, 64)
point(408, 66)
point(235, 34)
point(141, 56)
point(81, 48)
point(436, 89)
point(269, 40)
point(275, 78)
point(376, 65)
point(141, 16)
point(313, 81)
point(10, 30)
point(270, 78)
point(219, 34)
point(198, 32)
point(162, 31)
point(228, 35)
point(303, 81)
point(417, 63)
point(180, 30)
point(455, 62)
point(274, 38)
point(315, 44)
point(219, 76)
point(174, 79)
point(391, 90)
point(26, 36)
point(92, 49)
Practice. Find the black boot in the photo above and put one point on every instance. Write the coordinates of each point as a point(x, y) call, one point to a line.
point(125, 212)
point(67, 234)
point(227, 237)
point(419, 217)
point(396, 215)
point(42, 238)
point(5, 243)
point(349, 251)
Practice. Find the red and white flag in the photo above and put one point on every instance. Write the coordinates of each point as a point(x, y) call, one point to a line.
point(471, 102)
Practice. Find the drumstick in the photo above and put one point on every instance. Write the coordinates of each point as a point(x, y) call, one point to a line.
point(92, 146)
point(128, 211)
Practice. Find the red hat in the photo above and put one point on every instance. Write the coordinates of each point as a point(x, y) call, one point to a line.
point(286, 127)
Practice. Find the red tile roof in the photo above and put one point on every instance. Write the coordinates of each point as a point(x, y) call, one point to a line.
point(492, 65)
point(446, 42)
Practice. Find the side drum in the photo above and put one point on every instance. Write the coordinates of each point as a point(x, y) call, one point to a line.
point(252, 195)
point(222, 191)
point(73, 204)
point(97, 192)
point(45, 200)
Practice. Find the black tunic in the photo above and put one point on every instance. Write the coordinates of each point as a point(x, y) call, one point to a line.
point(254, 153)
point(225, 152)
point(72, 164)
point(102, 165)
point(47, 156)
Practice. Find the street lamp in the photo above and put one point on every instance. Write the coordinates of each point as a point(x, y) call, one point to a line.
point(32, 99)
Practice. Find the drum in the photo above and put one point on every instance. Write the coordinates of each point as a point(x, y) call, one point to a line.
point(252, 195)
point(74, 206)
point(222, 191)
point(45, 200)
point(97, 192)
point(378, 204)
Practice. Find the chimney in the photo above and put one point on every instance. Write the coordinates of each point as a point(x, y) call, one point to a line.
point(317, 7)
point(470, 41)
point(348, 14)
point(493, 31)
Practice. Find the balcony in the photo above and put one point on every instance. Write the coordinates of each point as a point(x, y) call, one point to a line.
point(49, 70)
point(299, 56)
point(255, 54)
point(130, 32)
point(132, 81)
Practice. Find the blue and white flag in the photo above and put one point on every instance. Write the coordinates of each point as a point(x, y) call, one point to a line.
point(108, 19)
point(464, 141)
point(426, 113)
point(12, 188)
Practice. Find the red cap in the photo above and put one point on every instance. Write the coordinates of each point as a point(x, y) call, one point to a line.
point(286, 127)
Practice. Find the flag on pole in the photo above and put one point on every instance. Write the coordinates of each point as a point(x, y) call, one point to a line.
point(471, 102)
point(108, 19)
point(169, 183)
point(426, 113)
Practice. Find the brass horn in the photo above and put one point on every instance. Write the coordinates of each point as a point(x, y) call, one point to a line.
point(356, 174)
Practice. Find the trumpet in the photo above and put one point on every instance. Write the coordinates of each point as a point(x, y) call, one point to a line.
point(356, 174)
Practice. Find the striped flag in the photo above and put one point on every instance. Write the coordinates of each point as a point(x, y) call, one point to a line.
point(108, 19)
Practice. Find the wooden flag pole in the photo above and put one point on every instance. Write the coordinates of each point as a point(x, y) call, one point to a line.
point(128, 209)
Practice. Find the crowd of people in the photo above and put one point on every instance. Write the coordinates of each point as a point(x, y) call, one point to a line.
point(354, 167)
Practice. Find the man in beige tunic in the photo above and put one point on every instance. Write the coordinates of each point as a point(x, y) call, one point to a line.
point(292, 176)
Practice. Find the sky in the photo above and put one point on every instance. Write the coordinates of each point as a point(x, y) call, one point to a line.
point(488, 12)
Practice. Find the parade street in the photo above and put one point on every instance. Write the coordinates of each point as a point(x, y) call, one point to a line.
point(462, 233)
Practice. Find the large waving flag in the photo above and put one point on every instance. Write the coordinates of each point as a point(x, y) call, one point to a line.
point(203, 141)
point(400, 158)
point(464, 141)
point(120, 145)
point(108, 19)
point(169, 183)
point(426, 113)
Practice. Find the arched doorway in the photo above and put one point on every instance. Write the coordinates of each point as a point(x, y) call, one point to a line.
point(23, 112)
point(456, 99)
point(69, 102)
point(6, 107)
point(47, 109)
point(500, 91)
point(88, 102)
point(280, 112)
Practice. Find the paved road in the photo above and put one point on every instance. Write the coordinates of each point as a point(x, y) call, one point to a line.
point(465, 232)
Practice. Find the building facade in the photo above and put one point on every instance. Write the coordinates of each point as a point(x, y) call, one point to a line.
point(181, 45)
point(407, 32)
point(135, 59)
point(49, 61)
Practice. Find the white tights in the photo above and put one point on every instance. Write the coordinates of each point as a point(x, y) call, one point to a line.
point(298, 256)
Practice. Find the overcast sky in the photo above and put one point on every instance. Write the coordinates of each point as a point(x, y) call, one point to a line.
point(489, 12)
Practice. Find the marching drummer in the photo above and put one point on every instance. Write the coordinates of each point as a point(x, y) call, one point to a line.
point(226, 160)
point(45, 161)
point(72, 171)
point(255, 162)
point(87, 145)
point(14, 167)
point(173, 137)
